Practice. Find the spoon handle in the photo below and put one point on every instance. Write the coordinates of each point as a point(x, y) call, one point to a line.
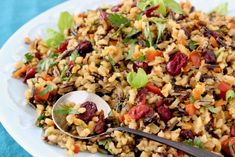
point(178, 145)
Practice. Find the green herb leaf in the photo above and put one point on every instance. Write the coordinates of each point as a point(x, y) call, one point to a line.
point(148, 35)
point(28, 57)
point(118, 20)
point(174, 6)
point(137, 80)
point(62, 73)
point(212, 109)
point(222, 8)
point(132, 33)
point(129, 41)
point(160, 28)
point(48, 89)
point(66, 111)
point(141, 58)
point(142, 4)
point(65, 21)
point(191, 99)
point(45, 64)
point(192, 45)
point(54, 39)
point(196, 142)
point(230, 94)
point(112, 62)
point(74, 55)
point(130, 52)
point(41, 117)
point(105, 141)
point(162, 8)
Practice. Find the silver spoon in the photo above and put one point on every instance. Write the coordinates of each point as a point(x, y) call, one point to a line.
point(79, 97)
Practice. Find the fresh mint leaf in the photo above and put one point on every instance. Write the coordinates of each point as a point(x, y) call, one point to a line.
point(230, 94)
point(148, 35)
point(173, 5)
point(66, 110)
point(130, 52)
point(196, 142)
point(137, 80)
point(74, 55)
point(142, 4)
point(212, 109)
point(48, 89)
point(45, 64)
point(28, 57)
point(54, 39)
point(192, 45)
point(65, 21)
point(221, 9)
point(112, 62)
point(118, 20)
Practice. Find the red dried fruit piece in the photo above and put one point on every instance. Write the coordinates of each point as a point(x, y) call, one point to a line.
point(164, 113)
point(139, 111)
point(224, 87)
point(227, 144)
point(178, 61)
point(63, 46)
point(149, 12)
point(84, 47)
point(116, 8)
point(99, 127)
point(232, 130)
point(186, 134)
point(30, 74)
point(209, 57)
point(141, 96)
point(38, 55)
point(91, 110)
point(143, 65)
point(103, 15)
point(154, 89)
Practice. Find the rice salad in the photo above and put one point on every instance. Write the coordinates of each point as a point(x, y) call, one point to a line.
point(164, 68)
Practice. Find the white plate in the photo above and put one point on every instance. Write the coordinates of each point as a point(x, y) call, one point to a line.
point(16, 117)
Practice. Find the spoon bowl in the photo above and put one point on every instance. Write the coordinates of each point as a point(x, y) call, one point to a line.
point(77, 97)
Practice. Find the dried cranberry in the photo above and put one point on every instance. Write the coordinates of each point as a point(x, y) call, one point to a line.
point(103, 15)
point(63, 46)
point(30, 74)
point(133, 4)
point(209, 57)
point(149, 12)
point(90, 112)
point(38, 55)
point(141, 96)
point(178, 61)
point(116, 8)
point(142, 65)
point(160, 102)
point(164, 113)
point(84, 47)
point(139, 111)
point(99, 127)
point(232, 131)
point(186, 134)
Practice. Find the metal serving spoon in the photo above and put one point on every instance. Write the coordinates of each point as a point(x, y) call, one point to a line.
point(83, 96)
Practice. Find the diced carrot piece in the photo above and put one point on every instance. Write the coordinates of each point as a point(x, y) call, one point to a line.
point(190, 109)
point(154, 89)
point(213, 42)
point(39, 97)
point(76, 148)
point(231, 25)
point(150, 55)
point(136, 55)
point(47, 77)
point(195, 58)
point(220, 102)
point(198, 91)
point(18, 73)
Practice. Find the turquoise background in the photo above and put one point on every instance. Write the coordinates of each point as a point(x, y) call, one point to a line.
point(14, 13)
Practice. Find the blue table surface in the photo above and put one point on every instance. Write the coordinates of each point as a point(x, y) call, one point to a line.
point(14, 13)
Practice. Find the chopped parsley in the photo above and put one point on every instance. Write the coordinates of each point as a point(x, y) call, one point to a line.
point(28, 57)
point(118, 20)
point(196, 142)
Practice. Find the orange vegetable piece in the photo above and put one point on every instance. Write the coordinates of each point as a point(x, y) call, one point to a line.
point(136, 55)
point(195, 58)
point(47, 77)
point(231, 25)
point(38, 97)
point(190, 109)
point(76, 148)
point(18, 73)
point(213, 42)
point(220, 102)
point(198, 91)
point(150, 55)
